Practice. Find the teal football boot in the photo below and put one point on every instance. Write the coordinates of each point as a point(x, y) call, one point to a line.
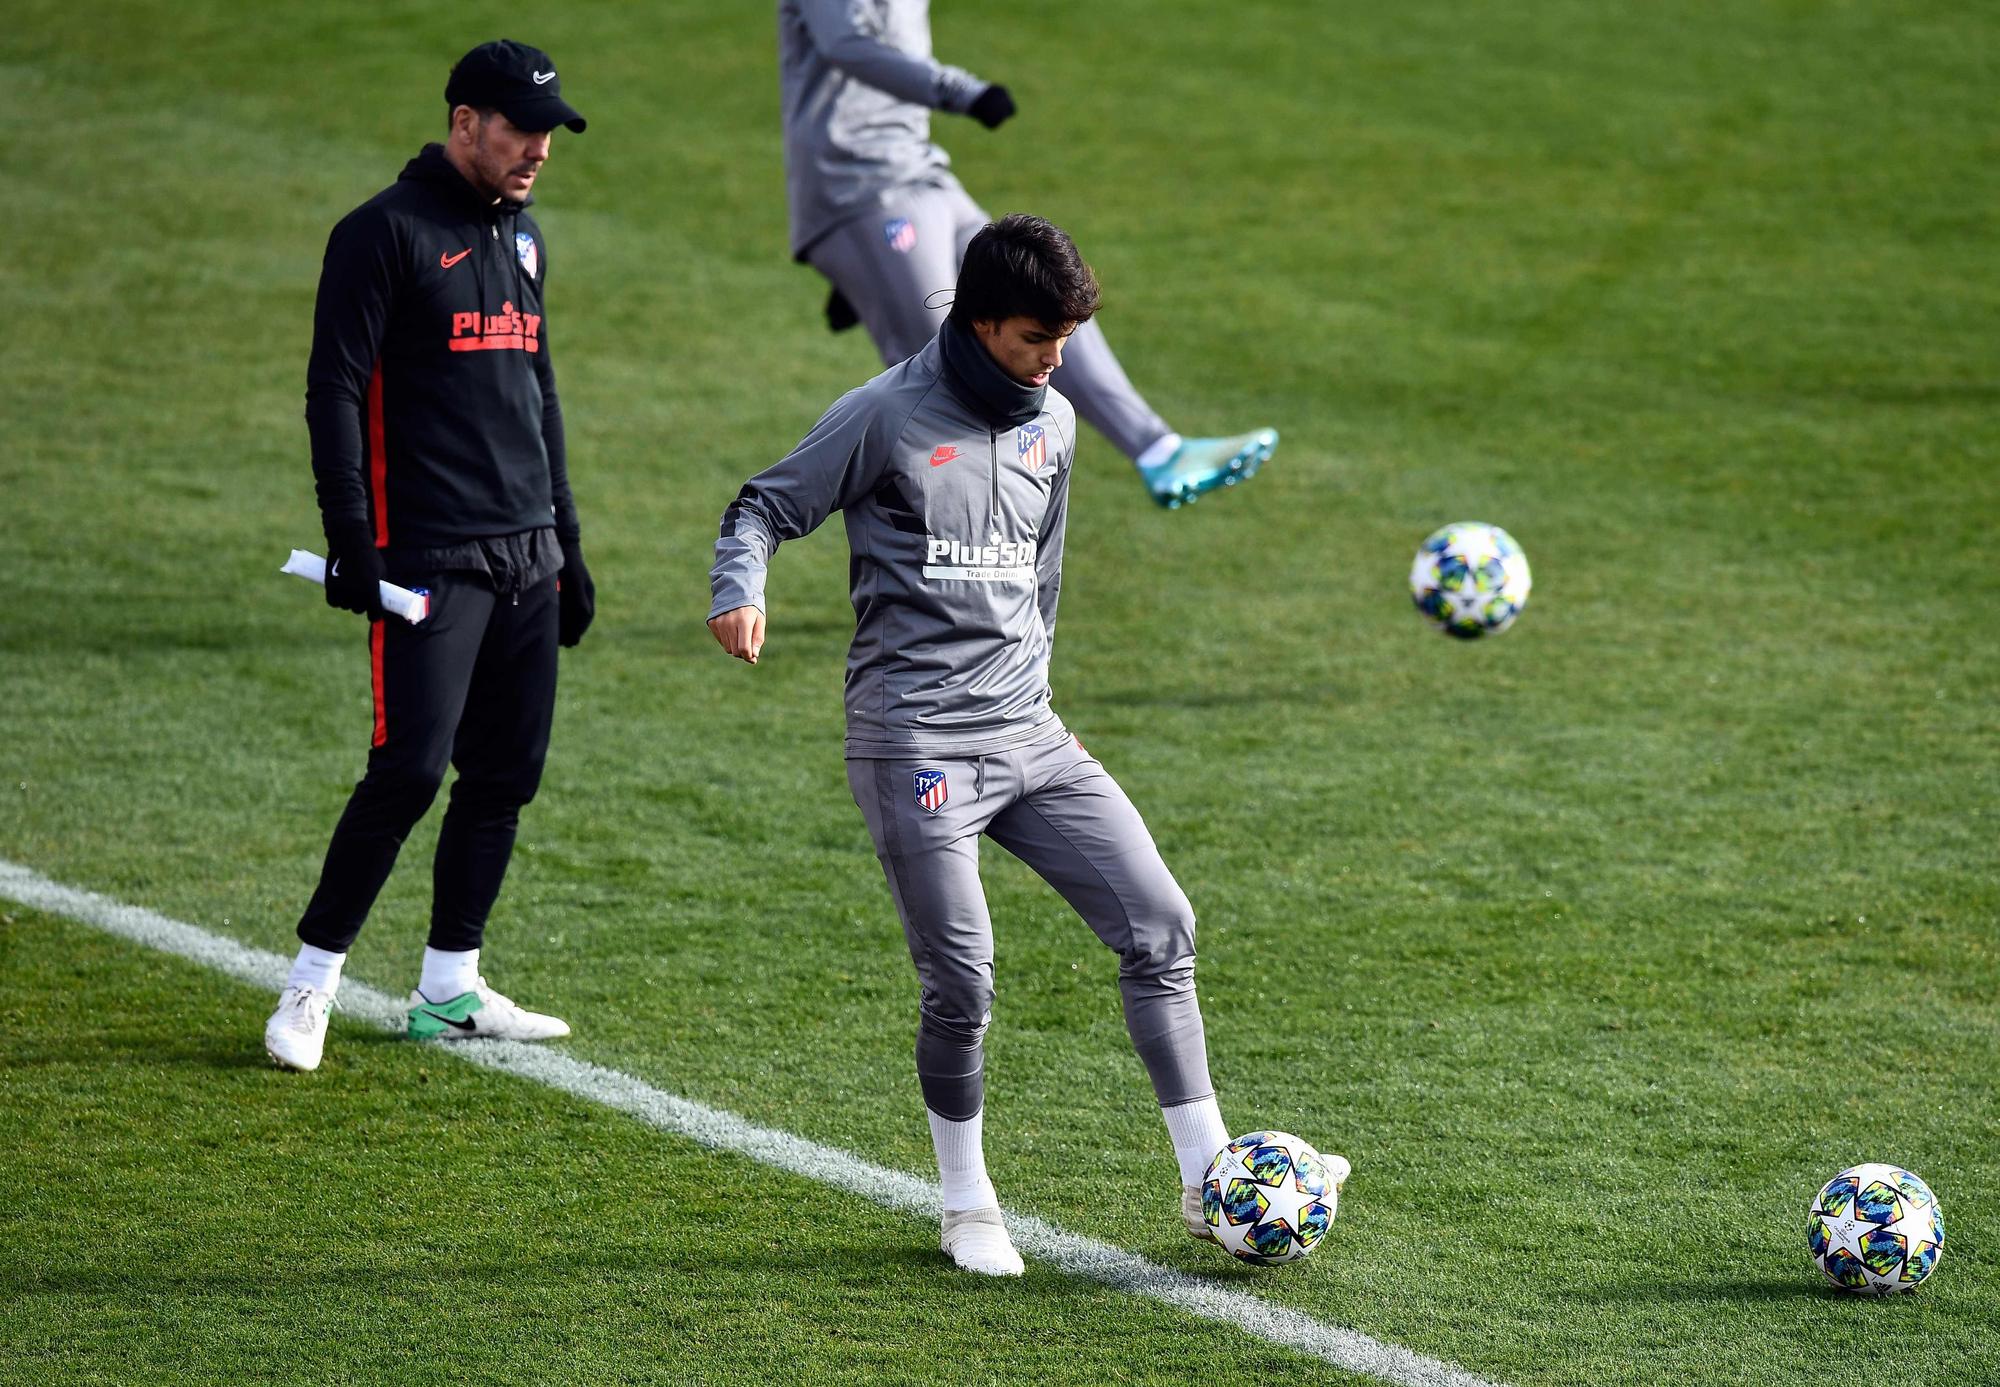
point(480, 1014)
point(1201, 465)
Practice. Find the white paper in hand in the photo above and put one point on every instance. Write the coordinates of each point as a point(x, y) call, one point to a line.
point(411, 606)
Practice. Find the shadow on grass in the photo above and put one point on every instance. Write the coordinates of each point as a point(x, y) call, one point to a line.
point(237, 1045)
point(861, 1262)
point(231, 1048)
point(1721, 1291)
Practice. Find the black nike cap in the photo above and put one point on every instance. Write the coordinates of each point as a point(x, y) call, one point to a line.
point(518, 81)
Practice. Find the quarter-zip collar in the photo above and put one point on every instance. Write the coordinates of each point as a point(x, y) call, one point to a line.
point(1001, 400)
point(431, 166)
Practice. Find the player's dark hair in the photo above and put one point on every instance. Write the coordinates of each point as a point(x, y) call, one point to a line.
point(1023, 266)
point(485, 113)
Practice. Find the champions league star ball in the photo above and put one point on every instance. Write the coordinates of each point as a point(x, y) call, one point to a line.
point(1268, 1197)
point(1470, 579)
point(1875, 1229)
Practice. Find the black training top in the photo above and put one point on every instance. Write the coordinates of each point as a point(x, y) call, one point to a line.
point(429, 396)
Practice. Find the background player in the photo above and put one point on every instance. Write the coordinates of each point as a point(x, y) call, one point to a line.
point(876, 209)
point(438, 454)
point(953, 471)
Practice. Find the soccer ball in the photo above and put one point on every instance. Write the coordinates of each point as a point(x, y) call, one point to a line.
point(1268, 1197)
point(1875, 1229)
point(1471, 579)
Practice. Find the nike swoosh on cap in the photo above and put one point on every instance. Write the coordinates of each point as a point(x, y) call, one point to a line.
point(543, 77)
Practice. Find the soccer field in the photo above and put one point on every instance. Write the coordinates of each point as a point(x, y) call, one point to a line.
point(1597, 947)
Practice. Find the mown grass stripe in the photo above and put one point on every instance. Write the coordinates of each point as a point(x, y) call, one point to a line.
point(713, 1127)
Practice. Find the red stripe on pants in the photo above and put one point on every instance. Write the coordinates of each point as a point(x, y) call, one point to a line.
point(378, 460)
point(375, 629)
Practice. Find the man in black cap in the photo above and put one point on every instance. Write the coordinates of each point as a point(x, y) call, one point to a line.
point(437, 454)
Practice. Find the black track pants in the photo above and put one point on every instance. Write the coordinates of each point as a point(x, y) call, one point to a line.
point(473, 686)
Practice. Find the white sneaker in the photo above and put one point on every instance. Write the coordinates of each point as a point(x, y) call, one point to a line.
point(481, 1013)
point(295, 1036)
point(977, 1240)
point(1338, 1168)
point(1196, 1217)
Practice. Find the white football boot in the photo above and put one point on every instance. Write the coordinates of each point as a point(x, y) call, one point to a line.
point(977, 1240)
point(1196, 1218)
point(295, 1036)
point(480, 1014)
point(1193, 1214)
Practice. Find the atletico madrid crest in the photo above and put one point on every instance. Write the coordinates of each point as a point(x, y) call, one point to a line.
point(932, 791)
point(524, 249)
point(901, 234)
point(1034, 445)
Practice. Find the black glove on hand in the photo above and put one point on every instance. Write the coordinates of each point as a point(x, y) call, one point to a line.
point(576, 597)
point(840, 314)
point(992, 106)
point(354, 575)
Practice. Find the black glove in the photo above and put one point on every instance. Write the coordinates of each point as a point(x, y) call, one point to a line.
point(840, 314)
point(992, 106)
point(576, 596)
point(354, 574)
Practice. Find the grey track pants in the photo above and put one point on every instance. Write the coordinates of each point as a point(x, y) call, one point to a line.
point(1054, 807)
point(898, 267)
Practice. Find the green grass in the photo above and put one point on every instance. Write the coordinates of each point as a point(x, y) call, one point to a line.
point(1597, 947)
point(428, 1219)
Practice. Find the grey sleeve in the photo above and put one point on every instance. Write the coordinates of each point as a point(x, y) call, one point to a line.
point(832, 467)
point(1049, 547)
point(846, 35)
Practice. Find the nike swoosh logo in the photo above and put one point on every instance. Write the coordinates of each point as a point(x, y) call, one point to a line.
point(467, 1024)
point(944, 454)
point(544, 77)
point(445, 262)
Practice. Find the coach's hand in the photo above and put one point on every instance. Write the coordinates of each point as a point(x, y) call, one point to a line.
point(740, 631)
point(992, 106)
point(576, 596)
point(354, 575)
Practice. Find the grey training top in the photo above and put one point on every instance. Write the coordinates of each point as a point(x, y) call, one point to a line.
point(955, 530)
point(859, 85)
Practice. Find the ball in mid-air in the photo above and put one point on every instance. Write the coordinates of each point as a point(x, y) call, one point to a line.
point(1875, 1229)
point(1269, 1198)
point(1471, 579)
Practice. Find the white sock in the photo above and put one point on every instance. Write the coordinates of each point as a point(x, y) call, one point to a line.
point(448, 973)
point(318, 969)
point(961, 1157)
point(1197, 1133)
point(1158, 451)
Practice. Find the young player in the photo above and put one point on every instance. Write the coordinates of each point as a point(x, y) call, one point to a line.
point(953, 471)
point(437, 450)
point(876, 209)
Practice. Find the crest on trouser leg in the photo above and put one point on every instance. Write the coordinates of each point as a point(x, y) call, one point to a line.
point(931, 790)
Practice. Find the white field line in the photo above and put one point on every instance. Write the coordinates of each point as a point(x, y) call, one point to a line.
point(893, 1189)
